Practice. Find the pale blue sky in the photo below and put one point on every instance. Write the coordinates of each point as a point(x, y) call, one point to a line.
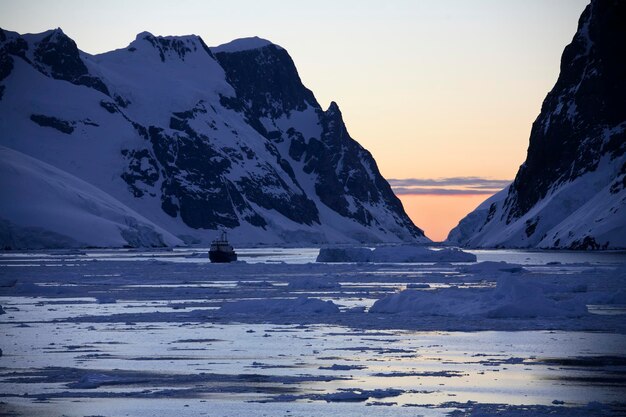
point(433, 88)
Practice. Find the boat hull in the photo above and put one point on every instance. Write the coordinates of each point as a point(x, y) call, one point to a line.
point(222, 257)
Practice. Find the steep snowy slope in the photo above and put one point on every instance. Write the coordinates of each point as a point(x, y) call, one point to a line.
point(196, 139)
point(571, 190)
point(49, 208)
point(473, 222)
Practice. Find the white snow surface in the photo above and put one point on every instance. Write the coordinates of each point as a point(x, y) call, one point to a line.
point(242, 44)
point(572, 211)
point(472, 223)
point(69, 212)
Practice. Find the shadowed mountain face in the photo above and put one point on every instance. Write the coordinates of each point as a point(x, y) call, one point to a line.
point(582, 118)
point(196, 139)
point(569, 192)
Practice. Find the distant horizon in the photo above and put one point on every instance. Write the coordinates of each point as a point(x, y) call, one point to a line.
point(433, 89)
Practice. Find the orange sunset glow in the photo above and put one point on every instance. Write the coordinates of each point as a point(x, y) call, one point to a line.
point(438, 214)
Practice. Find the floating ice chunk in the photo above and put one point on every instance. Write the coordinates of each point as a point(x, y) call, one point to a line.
point(345, 255)
point(96, 380)
point(516, 299)
point(347, 396)
point(490, 267)
point(417, 285)
point(440, 302)
point(300, 305)
point(357, 395)
point(338, 367)
point(313, 284)
point(394, 254)
point(258, 284)
point(512, 298)
point(414, 253)
point(106, 299)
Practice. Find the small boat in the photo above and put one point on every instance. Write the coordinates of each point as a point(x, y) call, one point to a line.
point(221, 251)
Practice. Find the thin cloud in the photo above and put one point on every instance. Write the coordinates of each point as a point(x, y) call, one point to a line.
point(441, 191)
point(448, 186)
point(477, 182)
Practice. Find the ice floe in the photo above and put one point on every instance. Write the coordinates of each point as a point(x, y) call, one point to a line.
point(300, 305)
point(511, 298)
point(394, 254)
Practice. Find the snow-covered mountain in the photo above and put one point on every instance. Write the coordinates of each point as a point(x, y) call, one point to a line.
point(178, 139)
point(73, 212)
point(571, 190)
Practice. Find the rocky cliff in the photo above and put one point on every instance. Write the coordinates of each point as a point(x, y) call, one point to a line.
point(570, 191)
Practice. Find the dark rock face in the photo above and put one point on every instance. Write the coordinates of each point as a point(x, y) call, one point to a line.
point(142, 173)
point(55, 55)
point(8, 49)
point(166, 45)
point(59, 55)
point(48, 121)
point(569, 193)
point(339, 181)
point(267, 79)
point(578, 119)
point(193, 187)
point(347, 179)
point(294, 206)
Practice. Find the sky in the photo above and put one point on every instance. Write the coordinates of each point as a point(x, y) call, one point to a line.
point(437, 90)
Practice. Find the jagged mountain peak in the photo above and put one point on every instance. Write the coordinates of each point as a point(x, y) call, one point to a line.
point(169, 47)
point(48, 37)
point(243, 44)
point(148, 36)
point(55, 33)
point(52, 53)
point(333, 110)
point(143, 35)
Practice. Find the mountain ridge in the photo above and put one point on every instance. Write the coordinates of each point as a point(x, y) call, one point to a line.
point(196, 140)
